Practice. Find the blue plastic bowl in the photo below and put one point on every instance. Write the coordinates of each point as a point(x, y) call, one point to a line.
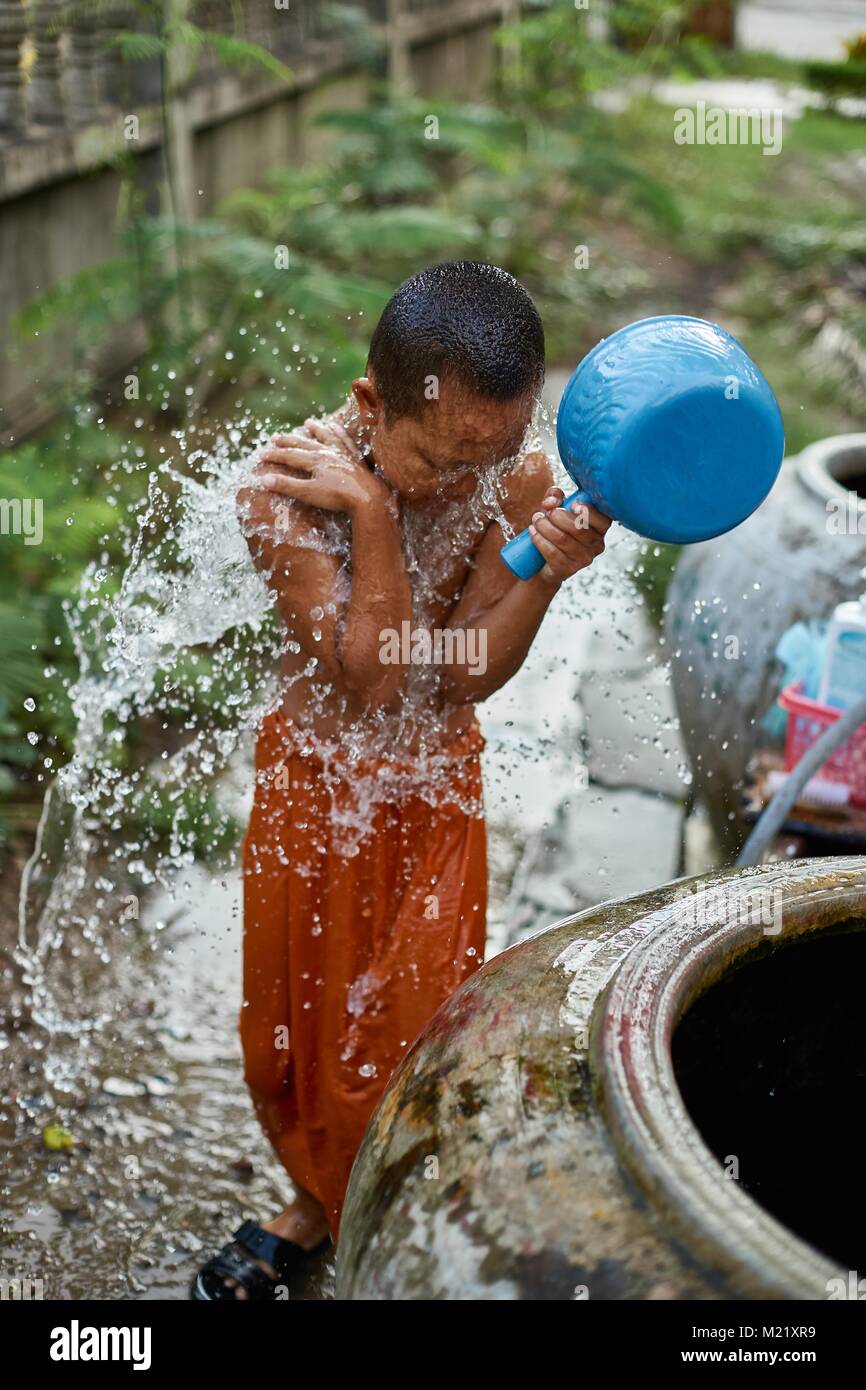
point(668, 427)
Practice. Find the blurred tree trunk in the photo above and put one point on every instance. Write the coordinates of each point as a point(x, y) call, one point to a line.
point(399, 70)
point(714, 20)
point(177, 71)
point(179, 154)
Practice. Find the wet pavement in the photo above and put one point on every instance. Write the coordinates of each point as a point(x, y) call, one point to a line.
point(167, 1157)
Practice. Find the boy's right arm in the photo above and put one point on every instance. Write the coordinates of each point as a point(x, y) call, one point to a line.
point(281, 531)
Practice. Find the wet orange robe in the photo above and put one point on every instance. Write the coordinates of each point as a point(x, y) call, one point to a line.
point(346, 958)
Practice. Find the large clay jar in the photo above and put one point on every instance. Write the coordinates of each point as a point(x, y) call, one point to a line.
point(731, 600)
point(646, 1101)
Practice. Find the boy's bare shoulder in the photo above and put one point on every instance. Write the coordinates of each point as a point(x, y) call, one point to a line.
point(527, 485)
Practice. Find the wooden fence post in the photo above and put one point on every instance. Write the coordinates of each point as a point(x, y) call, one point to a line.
point(399, 68)
point(45, 97)
point(13, 28)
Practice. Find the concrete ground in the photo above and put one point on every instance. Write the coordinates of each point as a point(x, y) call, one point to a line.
point(799, 28)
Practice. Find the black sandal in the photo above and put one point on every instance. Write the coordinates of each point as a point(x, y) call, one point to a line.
point(233, 1262)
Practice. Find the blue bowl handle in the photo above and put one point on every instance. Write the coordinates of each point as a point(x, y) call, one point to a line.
point(521, 555)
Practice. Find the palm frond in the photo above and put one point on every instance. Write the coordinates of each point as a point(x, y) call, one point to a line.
point(234, 52)
point(21, 667)
point(136, 47)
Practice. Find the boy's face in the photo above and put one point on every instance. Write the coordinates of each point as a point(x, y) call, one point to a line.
point(440, 454)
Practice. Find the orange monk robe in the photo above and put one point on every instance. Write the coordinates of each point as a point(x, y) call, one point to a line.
point(346, 957)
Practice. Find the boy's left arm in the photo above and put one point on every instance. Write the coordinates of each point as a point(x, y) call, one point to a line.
point(509, 610)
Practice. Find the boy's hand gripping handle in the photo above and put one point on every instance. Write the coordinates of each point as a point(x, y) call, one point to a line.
point(521, 555)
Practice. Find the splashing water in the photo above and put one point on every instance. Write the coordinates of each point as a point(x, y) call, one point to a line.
point(178, 663)
point(187, 645)
point(188, 634)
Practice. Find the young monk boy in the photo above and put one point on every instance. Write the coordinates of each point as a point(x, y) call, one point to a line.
point(379, 529)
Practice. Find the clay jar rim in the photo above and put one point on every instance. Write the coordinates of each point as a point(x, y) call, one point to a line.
point(822, 467)
point(726, 1231)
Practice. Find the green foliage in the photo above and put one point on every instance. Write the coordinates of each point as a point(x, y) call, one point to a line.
point(76, 515)
point(85, 478)
point(231, 51)
point(138, 48)
point(838, 79)
point(166, 29)
point(364, 44)
point(21, 635)
point(556, 60)
point(191, 816)
point(651, 575)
